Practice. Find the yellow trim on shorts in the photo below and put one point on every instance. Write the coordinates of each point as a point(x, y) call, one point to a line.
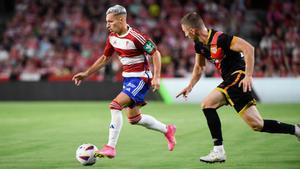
point(250, 103)
point(238, 71)
point(226, 95)
point(234, 82)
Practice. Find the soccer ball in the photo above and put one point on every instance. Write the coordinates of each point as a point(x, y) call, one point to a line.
point(85, 154)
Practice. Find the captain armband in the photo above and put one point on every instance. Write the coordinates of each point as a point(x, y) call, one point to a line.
point(149, 47)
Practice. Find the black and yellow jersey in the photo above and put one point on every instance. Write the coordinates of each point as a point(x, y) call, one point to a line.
point(217, 51)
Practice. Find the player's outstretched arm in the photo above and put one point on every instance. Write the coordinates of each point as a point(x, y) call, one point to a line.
point(240, 45)
point(100, 62)
point(197, 71)
point(157, 70)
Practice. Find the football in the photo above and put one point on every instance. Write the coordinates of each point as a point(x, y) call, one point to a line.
point(85, 154)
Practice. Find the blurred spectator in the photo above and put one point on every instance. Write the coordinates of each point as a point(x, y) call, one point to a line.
point(53, 39)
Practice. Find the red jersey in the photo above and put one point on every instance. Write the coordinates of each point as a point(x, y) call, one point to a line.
point(132, 48)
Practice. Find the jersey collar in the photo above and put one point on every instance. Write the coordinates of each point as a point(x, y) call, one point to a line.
point(125, 34)
point(208, 36)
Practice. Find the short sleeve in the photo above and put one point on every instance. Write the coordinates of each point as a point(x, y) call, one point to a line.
point(108, 49)
point(224, 41)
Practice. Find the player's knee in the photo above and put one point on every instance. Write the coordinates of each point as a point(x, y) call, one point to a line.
point(134, 119)
point(203, 105)
point(206, 104)
point(115, 105)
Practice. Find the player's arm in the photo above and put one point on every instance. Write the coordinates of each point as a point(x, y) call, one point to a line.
point(196, 75)
point(100, 62)
point(156, 57)
point(240, 45)
point(197, 70)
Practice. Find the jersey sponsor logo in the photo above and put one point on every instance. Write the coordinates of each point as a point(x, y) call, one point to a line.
point(148, 47)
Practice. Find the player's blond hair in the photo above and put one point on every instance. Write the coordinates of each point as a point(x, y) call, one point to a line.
point(116, 10)
point(192, 20)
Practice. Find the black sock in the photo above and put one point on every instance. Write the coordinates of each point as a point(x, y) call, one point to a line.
point(214, 124)
point(273, 126)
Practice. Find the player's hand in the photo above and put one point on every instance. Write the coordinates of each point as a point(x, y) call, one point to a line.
point(185, 92)
point(79, 77)
point(246, 83)
point(155, 84)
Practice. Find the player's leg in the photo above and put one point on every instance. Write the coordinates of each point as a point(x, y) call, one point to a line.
point(253, 118)
point(115, 126)
point(136, 117)
point(210, 105)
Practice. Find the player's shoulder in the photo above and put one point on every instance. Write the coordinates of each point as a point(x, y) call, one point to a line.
point(218, 37)
point(137, 33)
point(138, 36)
point(135, 30)
point(221, 34)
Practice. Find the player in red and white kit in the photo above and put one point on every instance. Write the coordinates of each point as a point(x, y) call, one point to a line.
point(132, 47)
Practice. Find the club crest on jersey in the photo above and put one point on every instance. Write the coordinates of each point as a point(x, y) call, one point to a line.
point(216, 53)
point(214, 49)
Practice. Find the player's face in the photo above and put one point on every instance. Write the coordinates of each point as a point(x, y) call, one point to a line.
point(188, 32)
point(113, 23)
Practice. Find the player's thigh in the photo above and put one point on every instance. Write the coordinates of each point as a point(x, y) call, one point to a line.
point(123, 99)
point(214, 99)
point(253, 118)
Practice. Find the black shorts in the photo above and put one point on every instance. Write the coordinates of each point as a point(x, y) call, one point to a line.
point(234, 94)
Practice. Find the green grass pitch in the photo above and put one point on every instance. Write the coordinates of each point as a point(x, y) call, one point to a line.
point(45, 135)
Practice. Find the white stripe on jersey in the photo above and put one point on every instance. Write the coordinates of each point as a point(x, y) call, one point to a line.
point(132, 60)
point(137, 74)
point(126, 46)
point(139, 37)
point(140, 40)
point(120, 43)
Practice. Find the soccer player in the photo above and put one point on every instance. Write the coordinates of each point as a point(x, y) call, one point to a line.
point(234, 58)
point(132, 46)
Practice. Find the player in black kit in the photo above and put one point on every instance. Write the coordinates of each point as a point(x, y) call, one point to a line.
point(234, 58)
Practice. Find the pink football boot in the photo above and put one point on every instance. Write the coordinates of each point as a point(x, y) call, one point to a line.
point(106, 151)
point(170, 136)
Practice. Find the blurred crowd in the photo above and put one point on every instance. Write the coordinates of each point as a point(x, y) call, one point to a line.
point(54, 39)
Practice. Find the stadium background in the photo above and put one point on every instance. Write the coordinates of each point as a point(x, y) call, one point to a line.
point(44, 42)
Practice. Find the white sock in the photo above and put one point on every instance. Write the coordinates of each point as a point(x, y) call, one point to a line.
point(115, 127)
point(151, 123)
point(219, 148)
point(297, 130)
